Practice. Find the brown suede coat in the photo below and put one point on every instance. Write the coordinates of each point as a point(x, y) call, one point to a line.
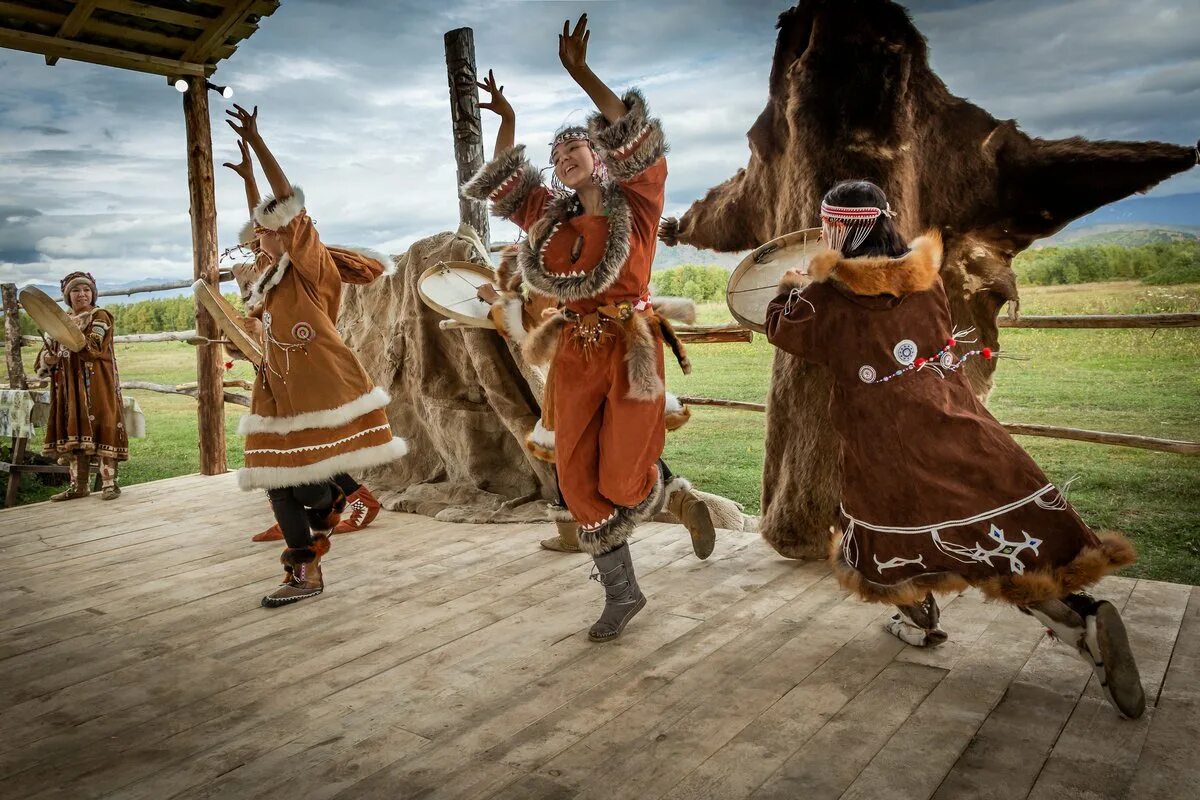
point(936, 494)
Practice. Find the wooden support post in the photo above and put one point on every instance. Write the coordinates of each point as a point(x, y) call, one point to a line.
point(209, 372)
point(12, 337)
point(464, 119)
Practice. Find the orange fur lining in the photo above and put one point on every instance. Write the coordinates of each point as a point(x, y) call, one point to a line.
point(538, 451)
point(1089, 566)
point(675, 421)
point(915, 271)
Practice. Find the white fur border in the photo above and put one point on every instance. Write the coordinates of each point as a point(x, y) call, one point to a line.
point(268, 281)
point(246, 233)
point(677, 484)
point(514, 320)
point(542, 437)
point(329, 418)
point(354, 461)
point(672, 404)
point(383, 259)
point(276, 215)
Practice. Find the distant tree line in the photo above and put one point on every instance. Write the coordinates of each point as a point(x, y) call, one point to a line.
point(704, 284)
point(1158, 263)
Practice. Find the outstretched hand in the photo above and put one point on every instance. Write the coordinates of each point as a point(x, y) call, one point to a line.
point(249, 122)
point(668, 231)
point(497, 102)
point(245, 167)
point(572, 44)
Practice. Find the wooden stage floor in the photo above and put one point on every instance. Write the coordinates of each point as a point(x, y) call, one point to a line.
point(451, 661)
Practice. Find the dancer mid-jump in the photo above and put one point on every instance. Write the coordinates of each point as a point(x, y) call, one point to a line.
point(590, 244)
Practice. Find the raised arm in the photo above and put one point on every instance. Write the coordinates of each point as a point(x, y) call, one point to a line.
point(247, 130)
point(572, 52)
point(506, 137)
point(245, 168)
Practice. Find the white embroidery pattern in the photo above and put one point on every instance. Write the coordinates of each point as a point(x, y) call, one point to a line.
point(866, 373)
point(897, 561)
point(326, 445)
point(905, 351)
point(1005, 549)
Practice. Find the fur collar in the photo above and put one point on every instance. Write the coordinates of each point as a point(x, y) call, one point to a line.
point(915, 271)
point(568, 287)
point(268, 281)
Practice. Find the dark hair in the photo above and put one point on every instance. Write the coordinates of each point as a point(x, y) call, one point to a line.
point(884, 239)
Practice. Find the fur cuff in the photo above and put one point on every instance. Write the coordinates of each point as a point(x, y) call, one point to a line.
point(246, 233)
point(540, 443)
point(632, 143)
point(794, 280)
point(277, 214)
point(506, 181)
point(294, 556)
point(542, 341)
point(608, 536)
point(641, 361)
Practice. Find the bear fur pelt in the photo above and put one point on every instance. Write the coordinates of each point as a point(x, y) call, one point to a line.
point(852, 96)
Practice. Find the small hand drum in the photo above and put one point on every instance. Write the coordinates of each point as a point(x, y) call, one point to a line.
point(228, 320)
point(755, 282)
point(53, 321)
point(451, 288)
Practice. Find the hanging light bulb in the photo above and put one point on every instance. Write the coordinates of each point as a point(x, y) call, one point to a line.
point(224, 91)
point(181, 85)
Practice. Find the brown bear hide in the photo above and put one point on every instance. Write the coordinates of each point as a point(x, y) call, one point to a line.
point(852, 96)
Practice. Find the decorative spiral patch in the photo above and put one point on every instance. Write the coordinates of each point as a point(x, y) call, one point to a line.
point(947, 360)
point(866, 373)
point(905, 351)
point(266, 318)
point(303, 332)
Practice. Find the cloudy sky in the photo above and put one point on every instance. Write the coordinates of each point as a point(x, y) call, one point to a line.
point(353, 100)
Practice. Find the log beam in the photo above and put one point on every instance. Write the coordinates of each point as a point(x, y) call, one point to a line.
point(98, 54)
point(1081, 321)
point(465, 122)
point(209, 370)
point(73, 24)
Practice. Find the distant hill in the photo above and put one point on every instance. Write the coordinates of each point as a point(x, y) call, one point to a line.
point(1173, 210)
point(670, 257)
point(1131, 235)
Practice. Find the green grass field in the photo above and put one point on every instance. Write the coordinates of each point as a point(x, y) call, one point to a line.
point(1128, 381)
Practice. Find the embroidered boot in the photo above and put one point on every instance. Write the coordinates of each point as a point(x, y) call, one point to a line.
point(1094, 630)
point(622, 597)
point(918, 624)
point(361, 509)
point(693, 514)
point(79, 481)
point(108, 477)
point(302, 576)
point(567, 540)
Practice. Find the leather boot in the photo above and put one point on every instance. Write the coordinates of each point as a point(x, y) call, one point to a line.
point(361, 509)
point(693, 514)
point(918, 624)
point(1095, 631)
point(79, 481)
point(302, 576)
point(622, 597)
point(567, 540)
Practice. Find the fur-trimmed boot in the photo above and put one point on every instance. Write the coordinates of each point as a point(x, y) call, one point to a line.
point(360, 511)
point(918, 624)
point(1094, 630)
point(622, 597)
point(693, 514)
point(567, 540)
point(302, 576)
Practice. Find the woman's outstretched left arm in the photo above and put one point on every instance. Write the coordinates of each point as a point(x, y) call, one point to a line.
point(572, 51)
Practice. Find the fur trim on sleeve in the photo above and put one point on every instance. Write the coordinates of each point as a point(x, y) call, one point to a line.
point(276, 214)
point(246, 233)
point(632, 143)
point(505, 181)
point(678, 309)
point(386, 263)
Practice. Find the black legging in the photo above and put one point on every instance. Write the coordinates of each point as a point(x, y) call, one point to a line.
point(289, 504)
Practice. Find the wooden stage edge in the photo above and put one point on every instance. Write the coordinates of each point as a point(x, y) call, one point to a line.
point(452, 661)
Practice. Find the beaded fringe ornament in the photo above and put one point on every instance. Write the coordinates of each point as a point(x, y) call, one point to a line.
point(846, 227)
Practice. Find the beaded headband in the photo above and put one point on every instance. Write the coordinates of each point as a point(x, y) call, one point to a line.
point(853, 223)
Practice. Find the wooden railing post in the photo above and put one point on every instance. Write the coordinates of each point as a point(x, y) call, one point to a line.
point(12, 337)
point(209, 374)
point(464, 119)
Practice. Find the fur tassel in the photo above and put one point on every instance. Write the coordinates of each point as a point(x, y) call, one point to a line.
point(277, 214)
point(278, 477)
point(540, 443)
point(542, 341)
point(672, 339)
point(246, 233)
point(915, 271)
point(632, 143)
point(677, 309)
point(386, 263)
point(506, 181)
point(372, 400)
point(641, 361)
point(510, 319)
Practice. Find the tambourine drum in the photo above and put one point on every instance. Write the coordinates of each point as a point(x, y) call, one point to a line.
point(53, 321)
point(754, 284)
point(228, 320)
point(451, 289)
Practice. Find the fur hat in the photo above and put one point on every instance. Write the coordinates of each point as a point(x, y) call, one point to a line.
point(77, 279)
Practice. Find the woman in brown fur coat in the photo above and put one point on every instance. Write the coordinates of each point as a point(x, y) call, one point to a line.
point(936, 495)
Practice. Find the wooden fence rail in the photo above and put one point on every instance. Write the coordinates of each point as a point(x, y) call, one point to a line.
point(1017, 428)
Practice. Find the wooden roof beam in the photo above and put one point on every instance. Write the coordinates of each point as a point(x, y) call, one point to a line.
point(73, 23)
point(96, 54)
point(215, 34)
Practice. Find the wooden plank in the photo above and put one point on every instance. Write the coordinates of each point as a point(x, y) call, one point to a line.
point(218, 31)
point(209, 357)
point(1168, 768)
point(134, 8)
point(97, 54)
point(73, 23)
point(1091, 321)
point(1097, 752)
